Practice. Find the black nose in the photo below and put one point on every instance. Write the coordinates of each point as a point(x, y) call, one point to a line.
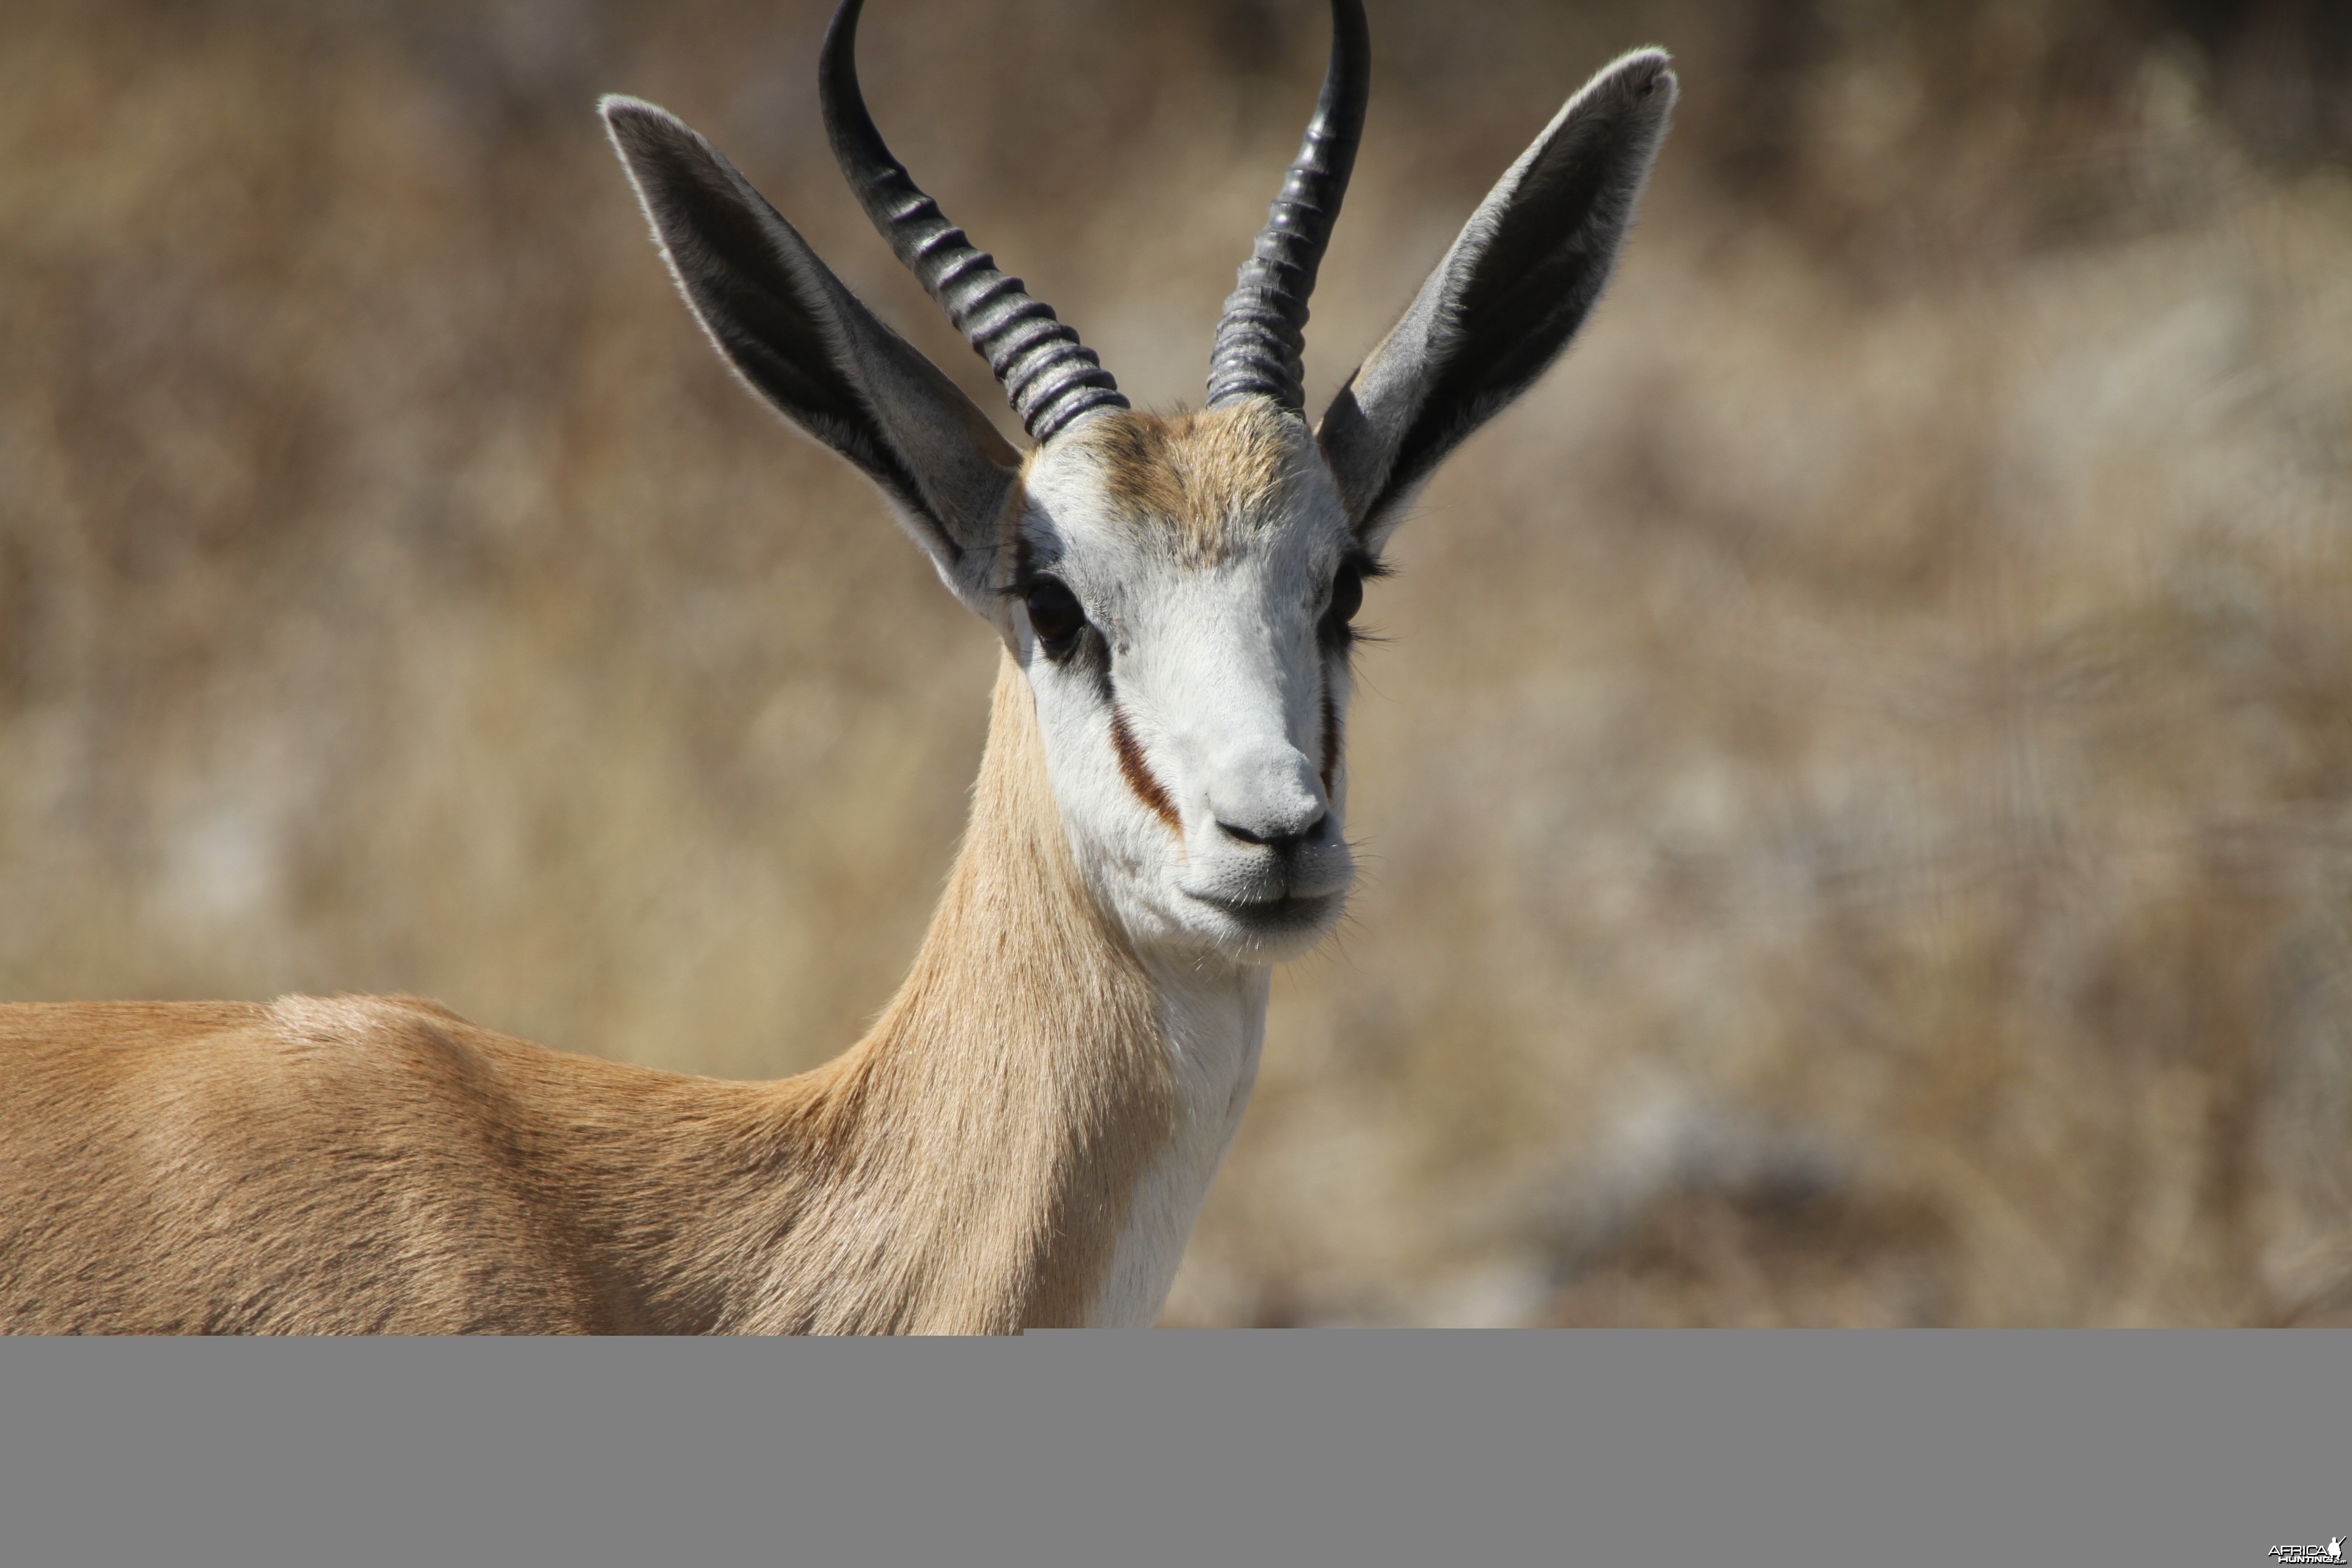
point(1280, 843)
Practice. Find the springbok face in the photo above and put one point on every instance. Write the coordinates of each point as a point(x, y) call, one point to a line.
point(1177, 588)
point(1181, 591)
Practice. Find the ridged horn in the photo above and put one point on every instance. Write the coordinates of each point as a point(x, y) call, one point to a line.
point(1263, 332)
point(1050, 376)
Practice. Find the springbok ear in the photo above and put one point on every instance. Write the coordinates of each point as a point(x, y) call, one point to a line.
point(801, 340)
point(1506, 300)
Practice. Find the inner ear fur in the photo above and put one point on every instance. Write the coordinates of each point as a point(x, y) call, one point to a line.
point(1508, 297)
point(797, 337)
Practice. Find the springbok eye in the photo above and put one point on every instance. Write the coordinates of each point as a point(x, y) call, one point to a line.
point(1347, 594)
point(1054, 611)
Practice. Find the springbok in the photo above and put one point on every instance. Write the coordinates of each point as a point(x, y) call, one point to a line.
point(1025, 1135)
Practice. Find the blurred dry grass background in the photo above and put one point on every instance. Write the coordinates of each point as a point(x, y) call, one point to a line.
point(1858, 797)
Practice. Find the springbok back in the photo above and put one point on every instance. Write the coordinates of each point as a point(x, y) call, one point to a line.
point(1024, 1137)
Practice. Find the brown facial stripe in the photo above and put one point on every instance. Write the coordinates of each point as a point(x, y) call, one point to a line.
point(1330, 736)
point(1138, 772)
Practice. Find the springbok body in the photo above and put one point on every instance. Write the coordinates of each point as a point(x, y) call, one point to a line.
point(1024, 1137)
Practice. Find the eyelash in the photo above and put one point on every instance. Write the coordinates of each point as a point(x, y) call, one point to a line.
point(1337, 634)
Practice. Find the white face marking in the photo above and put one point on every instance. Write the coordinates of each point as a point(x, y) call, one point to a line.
point(1215, 1025)
point(1215, 665)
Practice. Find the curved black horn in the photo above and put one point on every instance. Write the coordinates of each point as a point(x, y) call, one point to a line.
point(1259, 341)
point(1050, 376)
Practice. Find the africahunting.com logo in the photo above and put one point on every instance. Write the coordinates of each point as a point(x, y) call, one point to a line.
point(2331, 1552)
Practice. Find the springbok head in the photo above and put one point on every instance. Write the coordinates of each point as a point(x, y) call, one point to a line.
point(1177, 588)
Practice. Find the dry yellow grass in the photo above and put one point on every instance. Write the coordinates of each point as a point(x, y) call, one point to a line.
point(1858, 799)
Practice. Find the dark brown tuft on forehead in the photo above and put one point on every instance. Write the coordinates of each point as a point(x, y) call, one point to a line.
point(1204, 477)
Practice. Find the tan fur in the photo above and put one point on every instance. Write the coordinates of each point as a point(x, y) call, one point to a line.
point(1011, 542)
point(1203, 476)
point(381, 1165)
